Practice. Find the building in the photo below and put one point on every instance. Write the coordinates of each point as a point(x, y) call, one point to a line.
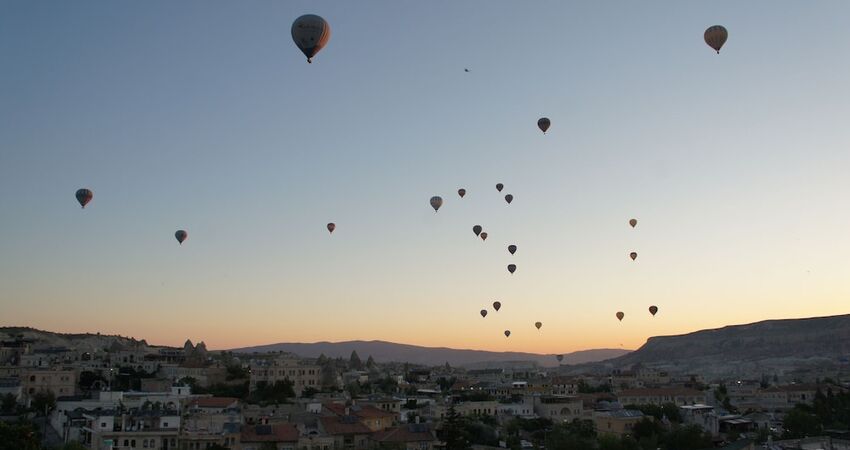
point(785, 397)
point(660, 396)
point(373, 418)
point(617, 422)
point(284, 436)
point(115, 430)
point(348, 432)
point(60, 383)
point(559, 408)
point(413, 436)
point(302, 376)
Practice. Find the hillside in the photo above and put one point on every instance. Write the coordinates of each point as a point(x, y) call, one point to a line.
point(383, 351)
point(769, 346)
point(81, 341)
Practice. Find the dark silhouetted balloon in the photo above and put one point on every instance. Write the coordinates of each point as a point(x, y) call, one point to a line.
point(331, 227)
point(461, 192)
point(497, 305)
point(436, 202)
point(84, 196)
point(560, 358)
point(507, 333)
point(511, 268)
point(477, 229)
point(483, 313)
point(633, 222)
point(499, 187)
point(633, 255)
point(310, 33)
point(538, 324)
point(620, 315)
point(543, 123)
point(512, 249)
point(653, 309)
point(181, 236)
point(483, 235)
point(715, 36)
point(509, 198)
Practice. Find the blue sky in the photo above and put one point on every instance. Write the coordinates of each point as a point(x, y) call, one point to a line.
point(205, 116)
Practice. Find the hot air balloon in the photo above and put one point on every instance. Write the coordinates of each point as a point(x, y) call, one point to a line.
point(509, 198)
point(507, 333)
point(538, 324)
point(436, 202)
point(483, 236)
point(310, 33)
point(633, 222)
point(512, 249)
point(633, 255)
point(84, 196)
point(620, 315)
point(461, 192)
point(181, 235)
point(543, 124)
point(331, 227)
point(477, 229)
point(653, 309)
point(560, 358)
point(499, 187)
point(483, 313)
point(715, 36)
point(511, 268)
point(497, 305)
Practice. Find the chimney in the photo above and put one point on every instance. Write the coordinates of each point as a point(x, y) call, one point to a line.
point(416, 420)
point(347, 411)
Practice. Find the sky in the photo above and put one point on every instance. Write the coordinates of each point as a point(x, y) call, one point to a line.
point(203, 115)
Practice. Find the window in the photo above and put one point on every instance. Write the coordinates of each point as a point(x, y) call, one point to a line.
point(133, 443)
point(103, 424)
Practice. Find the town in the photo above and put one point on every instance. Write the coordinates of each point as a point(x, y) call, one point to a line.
point(134, 396)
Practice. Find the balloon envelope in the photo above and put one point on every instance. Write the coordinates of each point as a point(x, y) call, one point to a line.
point(483, 236)
point(499, 187)
point(461, 192)
point(620, 315)
point(483, 313)
point(715, 36)
point(310, 33)
point(538, 324)
point(560, 358)
point(181, 235)
point(633, 223)
point(331, 227)
point(509, 198)
point(497, 305)
point(511, 268)
point(653, 309)
point(84, 196)
point(633, 255)
point(512, 249)
point(436, 202)
point(477, 229)
point(507, 333)
point(543, 124)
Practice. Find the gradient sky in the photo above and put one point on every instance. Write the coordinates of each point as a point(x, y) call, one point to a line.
point(203, 115)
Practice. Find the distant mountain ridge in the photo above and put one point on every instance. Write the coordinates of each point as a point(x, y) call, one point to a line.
point(383, 351)
point(770, 346)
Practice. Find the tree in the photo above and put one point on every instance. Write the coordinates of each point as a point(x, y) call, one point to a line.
point(690, 437)
point(370, 362)
point(267, 394)
point(646, 427)
point(354, 361)
point(800, 423)
point(78, 446)
point(18, 436)
point(8, 404)
point(576, 435)
point(43, 402)
point(453, 433)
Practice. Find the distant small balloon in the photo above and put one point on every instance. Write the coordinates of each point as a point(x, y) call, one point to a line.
point(483, 236)
point(511, 268)
point(477, 229)
point(543, 124)
point(538, 324)
point(507, 333)
point(560, 358)
point(633, 223)
point(310, 33)
point(483, 313)
point(512, 249)
point(509, 198)
point(497, 305)
point(715, 36)
point(620, 315)
point(653, 309)
point(461, 192)
point(331, 227)
point(181, 236)
point(84, 196)
point(633, 255)
point(436, 202)
point(499, 187)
